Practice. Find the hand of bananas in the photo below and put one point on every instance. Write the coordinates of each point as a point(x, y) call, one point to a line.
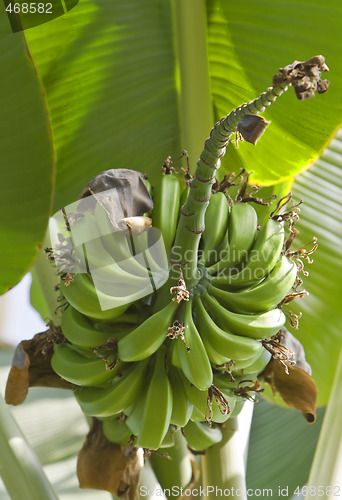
point(147, 361)
point(182, 366)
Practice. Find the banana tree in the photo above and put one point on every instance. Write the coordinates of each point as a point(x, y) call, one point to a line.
point(116, 86)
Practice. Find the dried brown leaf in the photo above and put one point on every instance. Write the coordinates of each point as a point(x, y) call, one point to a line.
point(304, 76)
point(127, 193)
point(251, 127)
point(31, 366)
point(297, 388)
point(103, 465)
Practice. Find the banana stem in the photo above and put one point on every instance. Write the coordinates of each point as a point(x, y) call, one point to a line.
point(224, 464)
point(21, 471)
point(191, 222)
point(194, 97)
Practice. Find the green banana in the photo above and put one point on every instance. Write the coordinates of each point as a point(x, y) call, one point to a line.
point(258, 365)
point(150, 418)
point(184, 195)
point(109, 276)
point(250, 367)
point(263, 296)
point(182, 407)
point(221, 413)
point(224, 382)
point(83, 231)
point(175, 361)
point(116, 396)
point(191, 354)
point(144, 340)
point(216, 255)
point(255, 364)
point(88, 247)
point(240, 403)
point(262, 258)
point(202, 413)
point(216, 222)
point(82, 295)
point(118, 244)
point(256, 326)
point(166, 200)
point(216, 358)
point(135, 411)
point(150, 250)
point(79, 330)
point(118, 287)
point(116, 430)
point(149, 246)
point(199, 399)
point(78, 367)
point(197, 415)
point(242, 230)
point(231, 346)
point(130, 269)
point(200, 437)
point(169, 439)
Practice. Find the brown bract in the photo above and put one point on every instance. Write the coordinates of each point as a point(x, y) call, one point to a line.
point(297, 388)
point(251, 127)
point(103, 465)
point(31, 366)
point(126, 193)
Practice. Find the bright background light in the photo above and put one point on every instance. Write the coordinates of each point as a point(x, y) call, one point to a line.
point(18, 320)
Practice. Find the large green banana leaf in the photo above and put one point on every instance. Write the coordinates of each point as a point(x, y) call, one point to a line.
point(111, 72)
point(319, 330)
point(260, 37)
point(26, 154)
point(129, 83)
point(281, 448)
point(321, 216)
point(114, 78)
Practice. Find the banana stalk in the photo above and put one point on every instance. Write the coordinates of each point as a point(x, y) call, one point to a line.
point(191, 222)
point(178, 470)
point(305, 78)
point(229, 453)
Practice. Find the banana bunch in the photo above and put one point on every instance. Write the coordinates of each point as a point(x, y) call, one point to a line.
point(147, 364)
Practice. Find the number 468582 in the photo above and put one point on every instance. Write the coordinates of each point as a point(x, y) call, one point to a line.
point(318, 491)
point(32, 8)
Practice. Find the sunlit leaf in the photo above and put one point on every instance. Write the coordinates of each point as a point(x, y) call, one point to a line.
point(248, 42)
point(281, 448)
point(321, 216)
point(108, 71)
point(26, 152)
